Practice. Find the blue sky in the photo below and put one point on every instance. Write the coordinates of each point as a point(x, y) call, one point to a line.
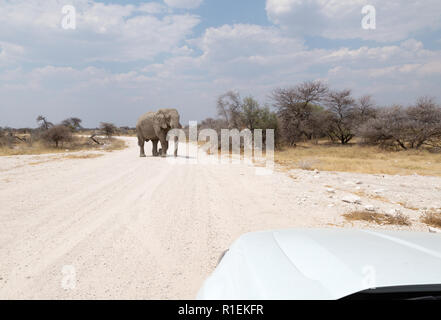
point(128, 57)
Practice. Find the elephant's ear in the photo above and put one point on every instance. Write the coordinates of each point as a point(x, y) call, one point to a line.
point(161, 120)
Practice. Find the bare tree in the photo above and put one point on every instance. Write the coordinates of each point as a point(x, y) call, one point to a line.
point(406, 128)
point(44, 124)
point(109, 129)
point(297, 107)
point(341, 108)
point(311, 92)
point(229, 107)
point(72, 123)
point(388, 129)
point(211, 123)
point(4, 137)
point(238, 113)
point(365, 108)
point(425, 123)
point(318, 121)
point(57, 134)
point(253, 116)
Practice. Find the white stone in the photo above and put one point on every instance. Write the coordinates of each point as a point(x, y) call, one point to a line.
point(352, 199)
point(394, 211)
point(434, 230)
point(370, 208)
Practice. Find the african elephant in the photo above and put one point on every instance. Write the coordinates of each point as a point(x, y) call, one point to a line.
point(154, 126)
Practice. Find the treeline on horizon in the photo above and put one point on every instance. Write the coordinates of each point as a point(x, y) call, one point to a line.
point(311, 111)
point(307, 112)
point(57, 134)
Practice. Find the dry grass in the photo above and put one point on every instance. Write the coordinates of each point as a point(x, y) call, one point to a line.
point(25, 149)
point(68, 156)
point(377, 197)
point(432, 219)
point(119, 133)
point(114, 144)
point(378, 218)
point(78, 144)
point(36, 163)
point(359, 159)
point(84, 156)
point(407, 206)
point(307, 164)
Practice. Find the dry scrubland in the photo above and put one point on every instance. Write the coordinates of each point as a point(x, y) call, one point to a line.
point(67, 136)
point(323, 157)
point(353, 134)
point(360, 159)
point(359, 162)
point(120, 132)
point(356, 158)
point(324, 135)
point(78, 143)
point(364, 159)
point(431, 218)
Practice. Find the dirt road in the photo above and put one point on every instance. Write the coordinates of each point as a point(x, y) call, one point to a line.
point(123, 227)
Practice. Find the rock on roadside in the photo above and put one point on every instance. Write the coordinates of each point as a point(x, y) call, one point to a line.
point(351, 199)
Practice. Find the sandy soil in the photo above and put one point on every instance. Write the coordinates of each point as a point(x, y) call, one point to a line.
point(124, 227)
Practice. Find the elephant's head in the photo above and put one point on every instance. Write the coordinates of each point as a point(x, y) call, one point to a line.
point(168, 119)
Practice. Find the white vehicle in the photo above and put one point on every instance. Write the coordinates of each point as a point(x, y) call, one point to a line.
point(327, 265)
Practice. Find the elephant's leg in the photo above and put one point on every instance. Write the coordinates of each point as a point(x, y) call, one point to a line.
point(164, 147)
point(155, 148)
point(162, 136)
point(176, 146)
point(164, 154)
point(141, 142)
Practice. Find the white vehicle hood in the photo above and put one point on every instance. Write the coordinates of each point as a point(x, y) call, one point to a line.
point(323, 264)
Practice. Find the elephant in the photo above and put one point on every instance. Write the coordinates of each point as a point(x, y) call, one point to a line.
point(154, 126)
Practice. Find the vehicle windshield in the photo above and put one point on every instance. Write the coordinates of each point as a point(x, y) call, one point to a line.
point(423, 292)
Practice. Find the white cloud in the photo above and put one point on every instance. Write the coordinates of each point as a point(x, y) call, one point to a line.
point(192, 83)
point(10, 53)
point(184, 4)
point(341, 19)
point(152, 8)
point(245, 41)
point(105, 32)
point(66, 73)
